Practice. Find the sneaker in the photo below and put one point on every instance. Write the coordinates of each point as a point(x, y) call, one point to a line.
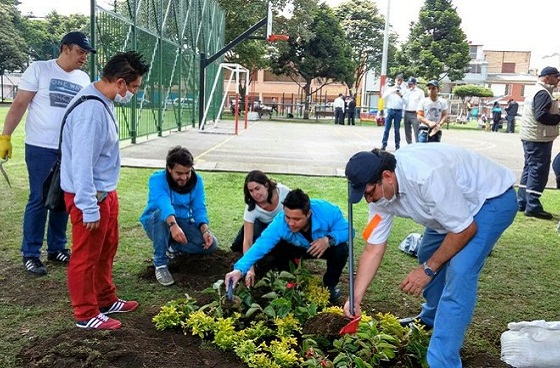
point(59, 256)
point(408, 321)
point(334, 294)
point(163, 276)
point(540, 214)
point(120, 306)
point(99, 322)
point(34, 266)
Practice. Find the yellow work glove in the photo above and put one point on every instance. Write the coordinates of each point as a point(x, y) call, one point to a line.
point(5, 147)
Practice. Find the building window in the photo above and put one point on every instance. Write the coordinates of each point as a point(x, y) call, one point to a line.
point(508, 67)
point(473, 52)
point(475, 68)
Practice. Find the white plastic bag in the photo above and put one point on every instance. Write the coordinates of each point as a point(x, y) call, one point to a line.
point(534, 344)
point(410, 244)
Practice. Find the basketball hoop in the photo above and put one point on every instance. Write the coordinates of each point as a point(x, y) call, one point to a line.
point(277, 37)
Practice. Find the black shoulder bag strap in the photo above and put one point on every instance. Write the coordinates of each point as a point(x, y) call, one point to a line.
point(76, 103)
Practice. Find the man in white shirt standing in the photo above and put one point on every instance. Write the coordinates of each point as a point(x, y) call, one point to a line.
point(428, 183)
point(412, 99)
point(394, 103)
point(46, 88)
point(338, 107)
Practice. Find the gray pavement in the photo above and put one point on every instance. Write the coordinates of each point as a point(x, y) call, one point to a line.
point(315, 149)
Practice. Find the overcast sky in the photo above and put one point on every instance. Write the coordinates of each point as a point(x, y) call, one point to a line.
point(495, 24)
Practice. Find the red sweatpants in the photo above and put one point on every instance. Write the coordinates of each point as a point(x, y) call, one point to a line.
point(90, 280)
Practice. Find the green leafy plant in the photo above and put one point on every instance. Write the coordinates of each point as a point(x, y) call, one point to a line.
point(174, 313)
point(267, 331)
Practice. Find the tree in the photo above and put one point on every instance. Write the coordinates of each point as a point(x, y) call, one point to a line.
point(364, 29)
point(325, 56)
point(43, 35)
point(241, 15)
point(437, 46)
point(12, 44)
point(470, 90)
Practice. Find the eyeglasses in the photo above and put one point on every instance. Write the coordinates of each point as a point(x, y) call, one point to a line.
point(368, 194)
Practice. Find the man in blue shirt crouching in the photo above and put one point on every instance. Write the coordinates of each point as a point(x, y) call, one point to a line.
point(308, 228)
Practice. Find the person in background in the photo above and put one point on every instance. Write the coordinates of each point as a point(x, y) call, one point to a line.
point(432, 113)
point(89, 175)
point(263, 199)
point(394, 104)
point(351, 110)
point(496, 116)
point(428, 183)
point(274, 106)
point(469, 108)
point(412, 99)
point(307, 228)
point(538, 131)
point(338, 107)
point(511, 111)
point(175, 218)
point(46, 88)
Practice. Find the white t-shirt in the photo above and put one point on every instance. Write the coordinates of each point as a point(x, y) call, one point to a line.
point(267, 216)
point(54, 89)
point(441, 187)
point(433, 109)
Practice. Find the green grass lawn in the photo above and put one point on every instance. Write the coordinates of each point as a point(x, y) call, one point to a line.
point(519, 281)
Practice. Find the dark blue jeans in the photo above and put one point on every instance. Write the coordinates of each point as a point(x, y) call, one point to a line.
point(284, 252)
point(39, 162)
point(534, 176)
point(510, 123)
point(339, 116)
point(393, 116)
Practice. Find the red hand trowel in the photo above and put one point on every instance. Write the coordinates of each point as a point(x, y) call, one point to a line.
point(352, 326)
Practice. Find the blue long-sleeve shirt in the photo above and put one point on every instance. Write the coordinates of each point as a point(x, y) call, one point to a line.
point(326, 220)
point(191, 205)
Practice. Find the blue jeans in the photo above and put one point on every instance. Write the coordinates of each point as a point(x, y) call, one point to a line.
point(396, 117)
point(535, 175)
point(451, 295)
point(39, 162)
point(159, 233)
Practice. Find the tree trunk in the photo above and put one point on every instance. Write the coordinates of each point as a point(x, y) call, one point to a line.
point(307, 90)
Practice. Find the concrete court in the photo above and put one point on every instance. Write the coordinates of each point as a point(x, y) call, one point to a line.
point(312, 148)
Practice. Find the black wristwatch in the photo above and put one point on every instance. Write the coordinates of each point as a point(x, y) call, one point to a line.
point(331, 241)
point(428, 270)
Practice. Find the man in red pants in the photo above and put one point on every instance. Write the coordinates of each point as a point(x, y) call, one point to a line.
point(89, 175)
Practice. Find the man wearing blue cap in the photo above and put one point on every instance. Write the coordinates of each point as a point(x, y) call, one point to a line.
point(538, 131)
point(46, 88)
point(464, 200)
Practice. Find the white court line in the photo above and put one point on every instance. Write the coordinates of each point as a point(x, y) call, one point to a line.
point(222, 143)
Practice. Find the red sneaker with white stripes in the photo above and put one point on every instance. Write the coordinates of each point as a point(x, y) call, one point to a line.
point(120, 306)
point(99, 322)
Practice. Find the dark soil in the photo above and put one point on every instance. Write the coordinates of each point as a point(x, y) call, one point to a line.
point(139, 344)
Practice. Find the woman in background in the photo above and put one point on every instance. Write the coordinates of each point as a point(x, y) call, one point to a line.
point(263, 199)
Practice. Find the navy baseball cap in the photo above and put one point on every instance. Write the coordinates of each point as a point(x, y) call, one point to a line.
point(549, 70)
point(411, 80)
point(78, 38)
point(434, 83)
point(360, 170)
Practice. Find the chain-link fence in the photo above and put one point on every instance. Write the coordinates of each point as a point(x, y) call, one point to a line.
point(170, 34)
